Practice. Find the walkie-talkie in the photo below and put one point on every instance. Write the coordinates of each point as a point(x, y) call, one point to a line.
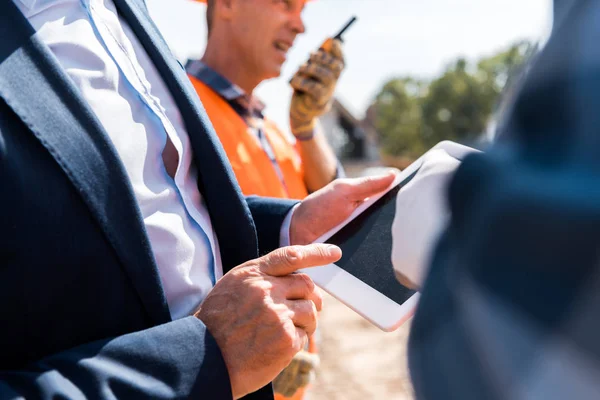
point(327, 44)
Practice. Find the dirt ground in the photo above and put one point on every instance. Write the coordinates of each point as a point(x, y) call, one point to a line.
point(359, 361)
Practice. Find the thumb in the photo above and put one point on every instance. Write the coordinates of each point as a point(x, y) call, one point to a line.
point(360, 189)
point(287, 260)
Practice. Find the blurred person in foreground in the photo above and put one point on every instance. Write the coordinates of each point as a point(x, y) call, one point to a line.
point(248, 41)
point(510, 307)
point(131, 265)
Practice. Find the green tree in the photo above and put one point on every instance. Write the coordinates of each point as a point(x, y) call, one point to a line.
point(457, 106)
point(413, 115)
point(398, 116)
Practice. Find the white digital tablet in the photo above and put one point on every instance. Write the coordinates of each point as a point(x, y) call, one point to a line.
point(364, 279)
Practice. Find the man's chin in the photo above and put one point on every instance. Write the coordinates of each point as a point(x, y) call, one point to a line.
point(273, 72)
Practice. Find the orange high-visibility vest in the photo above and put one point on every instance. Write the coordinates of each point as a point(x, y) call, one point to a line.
point(253, 169)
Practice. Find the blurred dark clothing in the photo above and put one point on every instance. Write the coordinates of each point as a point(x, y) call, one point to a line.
point(511, 308)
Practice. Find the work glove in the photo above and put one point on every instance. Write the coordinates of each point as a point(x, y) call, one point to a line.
point(297, 375)
point(314, 84)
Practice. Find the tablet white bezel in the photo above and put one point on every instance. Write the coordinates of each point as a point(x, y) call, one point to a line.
point(372, 305)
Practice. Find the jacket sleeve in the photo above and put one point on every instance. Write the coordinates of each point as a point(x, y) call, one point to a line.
point(179, 359)
point(524, 231)
point(268, 215)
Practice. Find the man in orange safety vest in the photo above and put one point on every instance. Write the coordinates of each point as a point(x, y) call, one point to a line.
point(247, 44)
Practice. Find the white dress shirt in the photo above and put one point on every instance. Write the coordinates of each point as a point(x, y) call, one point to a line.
point(103, 57)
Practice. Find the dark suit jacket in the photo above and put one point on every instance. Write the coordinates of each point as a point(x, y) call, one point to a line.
point(523, 243)
point(82, 310)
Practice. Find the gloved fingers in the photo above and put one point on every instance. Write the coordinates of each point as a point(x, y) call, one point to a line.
point(319, 73)
point(298, 374)
point(302, 380)
point(337, 50)
point(285, 382)
point(322, 58)
point(306, 361)
point(314, 89)
point(301, 113)
point(294, 368)
point(301, 121)
point(298, 82)
point(304, 84)
point(326, 57)
point(306, 108)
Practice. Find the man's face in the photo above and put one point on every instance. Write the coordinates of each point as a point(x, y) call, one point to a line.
point(263, 32)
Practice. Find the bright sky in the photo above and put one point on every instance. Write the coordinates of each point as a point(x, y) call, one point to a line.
point(391, 38)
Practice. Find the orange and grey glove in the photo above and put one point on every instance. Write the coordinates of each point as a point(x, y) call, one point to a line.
point(314, 85)
point(298, 374)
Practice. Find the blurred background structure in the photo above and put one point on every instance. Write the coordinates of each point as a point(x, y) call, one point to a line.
point(418, 72)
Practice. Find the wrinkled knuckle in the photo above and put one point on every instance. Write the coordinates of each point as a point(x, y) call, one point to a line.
point(303, 287)
point(311, 317)
point(307, 282)
point(322, 252)
point(294, 255)
point(265, 263)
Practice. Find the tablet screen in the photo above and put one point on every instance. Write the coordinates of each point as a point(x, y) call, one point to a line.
point(366, 243)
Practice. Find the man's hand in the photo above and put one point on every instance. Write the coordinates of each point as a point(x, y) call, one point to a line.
point(328, 207)
point(314, 85)
point(261, 314)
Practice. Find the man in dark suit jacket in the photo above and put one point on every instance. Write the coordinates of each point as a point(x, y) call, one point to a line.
point(87, 299)
point(510, 307)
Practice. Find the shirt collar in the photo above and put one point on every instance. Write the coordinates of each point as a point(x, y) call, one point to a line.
point(226, 89)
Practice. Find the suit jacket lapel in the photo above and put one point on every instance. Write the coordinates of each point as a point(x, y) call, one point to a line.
point(35, 87)
point(229, 213)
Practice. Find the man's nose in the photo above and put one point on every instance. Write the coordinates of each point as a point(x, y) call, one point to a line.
point(297, 24)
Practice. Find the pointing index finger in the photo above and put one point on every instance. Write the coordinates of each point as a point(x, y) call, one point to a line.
point(288, 260)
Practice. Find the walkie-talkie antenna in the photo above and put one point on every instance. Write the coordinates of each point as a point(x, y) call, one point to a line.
point(344, 29)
